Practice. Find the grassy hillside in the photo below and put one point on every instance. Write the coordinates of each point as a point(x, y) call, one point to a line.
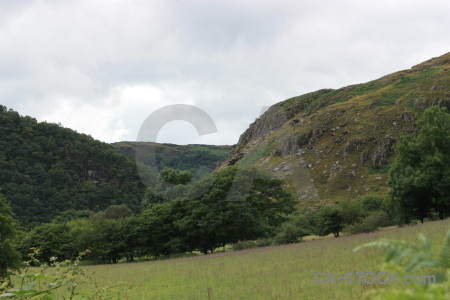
point(46, 169)
point(331, 145)
point(281, 272)
point(199, 159)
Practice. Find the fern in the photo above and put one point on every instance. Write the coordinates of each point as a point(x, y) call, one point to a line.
point(410, 257)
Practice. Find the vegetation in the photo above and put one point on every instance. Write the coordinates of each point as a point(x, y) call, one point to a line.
point(420, 175)
point(46, 169)
point(407, 258)
point(342, 139)
point(197, 159)
point(202, 223)
point(63, 278)
point(73, 193)
point(276, 272)
point(9, 258)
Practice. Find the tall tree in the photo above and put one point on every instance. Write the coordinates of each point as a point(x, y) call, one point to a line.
point(212, 220)
point(420, 175)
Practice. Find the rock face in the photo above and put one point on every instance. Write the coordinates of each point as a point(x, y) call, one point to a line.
point(343, 139)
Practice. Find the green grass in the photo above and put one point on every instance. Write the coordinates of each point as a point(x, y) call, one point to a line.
point(277, 272)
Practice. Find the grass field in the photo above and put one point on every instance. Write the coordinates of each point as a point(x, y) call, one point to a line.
point(278, 272)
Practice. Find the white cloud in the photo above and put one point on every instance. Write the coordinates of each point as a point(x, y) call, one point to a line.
point(101, 67)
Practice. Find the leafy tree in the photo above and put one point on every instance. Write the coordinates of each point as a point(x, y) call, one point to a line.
point(351, 212)
point(212, 220)
point(174, 176)
point(159, 233)
point(72, 214)
point(171, 186)
point(9, 258)
point(420, 175)
point(52, 240)
point(328, 219)
point(293, 231)
point(117, 212)
point(372, 202)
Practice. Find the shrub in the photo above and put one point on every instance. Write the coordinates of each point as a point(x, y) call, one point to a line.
point(241, 245)
point(371, 223)
point(372, 202)
point(292, 231)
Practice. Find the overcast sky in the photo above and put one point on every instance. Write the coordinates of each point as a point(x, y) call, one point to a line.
point(101, 67)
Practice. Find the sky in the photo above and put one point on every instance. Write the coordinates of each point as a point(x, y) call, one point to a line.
point(102, 67)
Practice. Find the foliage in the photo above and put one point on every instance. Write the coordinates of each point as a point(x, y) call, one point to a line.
point(42, 283)
point(174, 176)
point(292, 232)
point(208, 221)
point(197, 159)
point(221, 216)
point(420, 175)
point(9, 257)
point(117, 212)
point(330, 221)
point(248, 244)
point(370, 223)
point(171, 186)
point(46, 169)
point(406, 258)
point(372, 202)
point(72, 214)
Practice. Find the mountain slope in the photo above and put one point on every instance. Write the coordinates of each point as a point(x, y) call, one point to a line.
point(331, 145)
point(46, 169)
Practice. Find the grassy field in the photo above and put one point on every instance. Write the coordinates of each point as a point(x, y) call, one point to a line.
point(281, 272)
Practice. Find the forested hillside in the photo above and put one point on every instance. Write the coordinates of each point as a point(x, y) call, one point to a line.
point(46, 169)
point(198, 159)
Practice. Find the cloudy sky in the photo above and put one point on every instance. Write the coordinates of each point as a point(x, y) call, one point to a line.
point(102, 67)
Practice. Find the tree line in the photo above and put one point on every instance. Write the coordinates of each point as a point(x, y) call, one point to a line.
point(186, 224)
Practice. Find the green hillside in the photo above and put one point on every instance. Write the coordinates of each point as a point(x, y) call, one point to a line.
point(332, 145)
point(46, 169)
point(198, 159)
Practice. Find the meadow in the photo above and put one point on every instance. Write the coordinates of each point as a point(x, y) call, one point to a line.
point(276, 272)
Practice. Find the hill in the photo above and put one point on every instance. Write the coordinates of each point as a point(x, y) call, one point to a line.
point(46, 169)
point(331, 145)
point(198, 159)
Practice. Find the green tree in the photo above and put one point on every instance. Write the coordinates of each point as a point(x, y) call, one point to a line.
point(420, 175)
point(212, 220)
point(175, 176)
point(9, 258)
point(52, 240)
point(171, 186)
point(117, 212)
point(327, 220)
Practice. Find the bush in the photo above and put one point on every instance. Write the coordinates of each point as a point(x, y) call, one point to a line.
point(372, 202)
point(292, 231)
point(241, 245)
point(371, 223)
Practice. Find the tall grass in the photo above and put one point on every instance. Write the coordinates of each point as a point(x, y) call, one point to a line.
point(277, 272)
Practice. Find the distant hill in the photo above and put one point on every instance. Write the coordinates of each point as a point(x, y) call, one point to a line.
point(332, 145)
point(199, 159)
point(46, 169)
